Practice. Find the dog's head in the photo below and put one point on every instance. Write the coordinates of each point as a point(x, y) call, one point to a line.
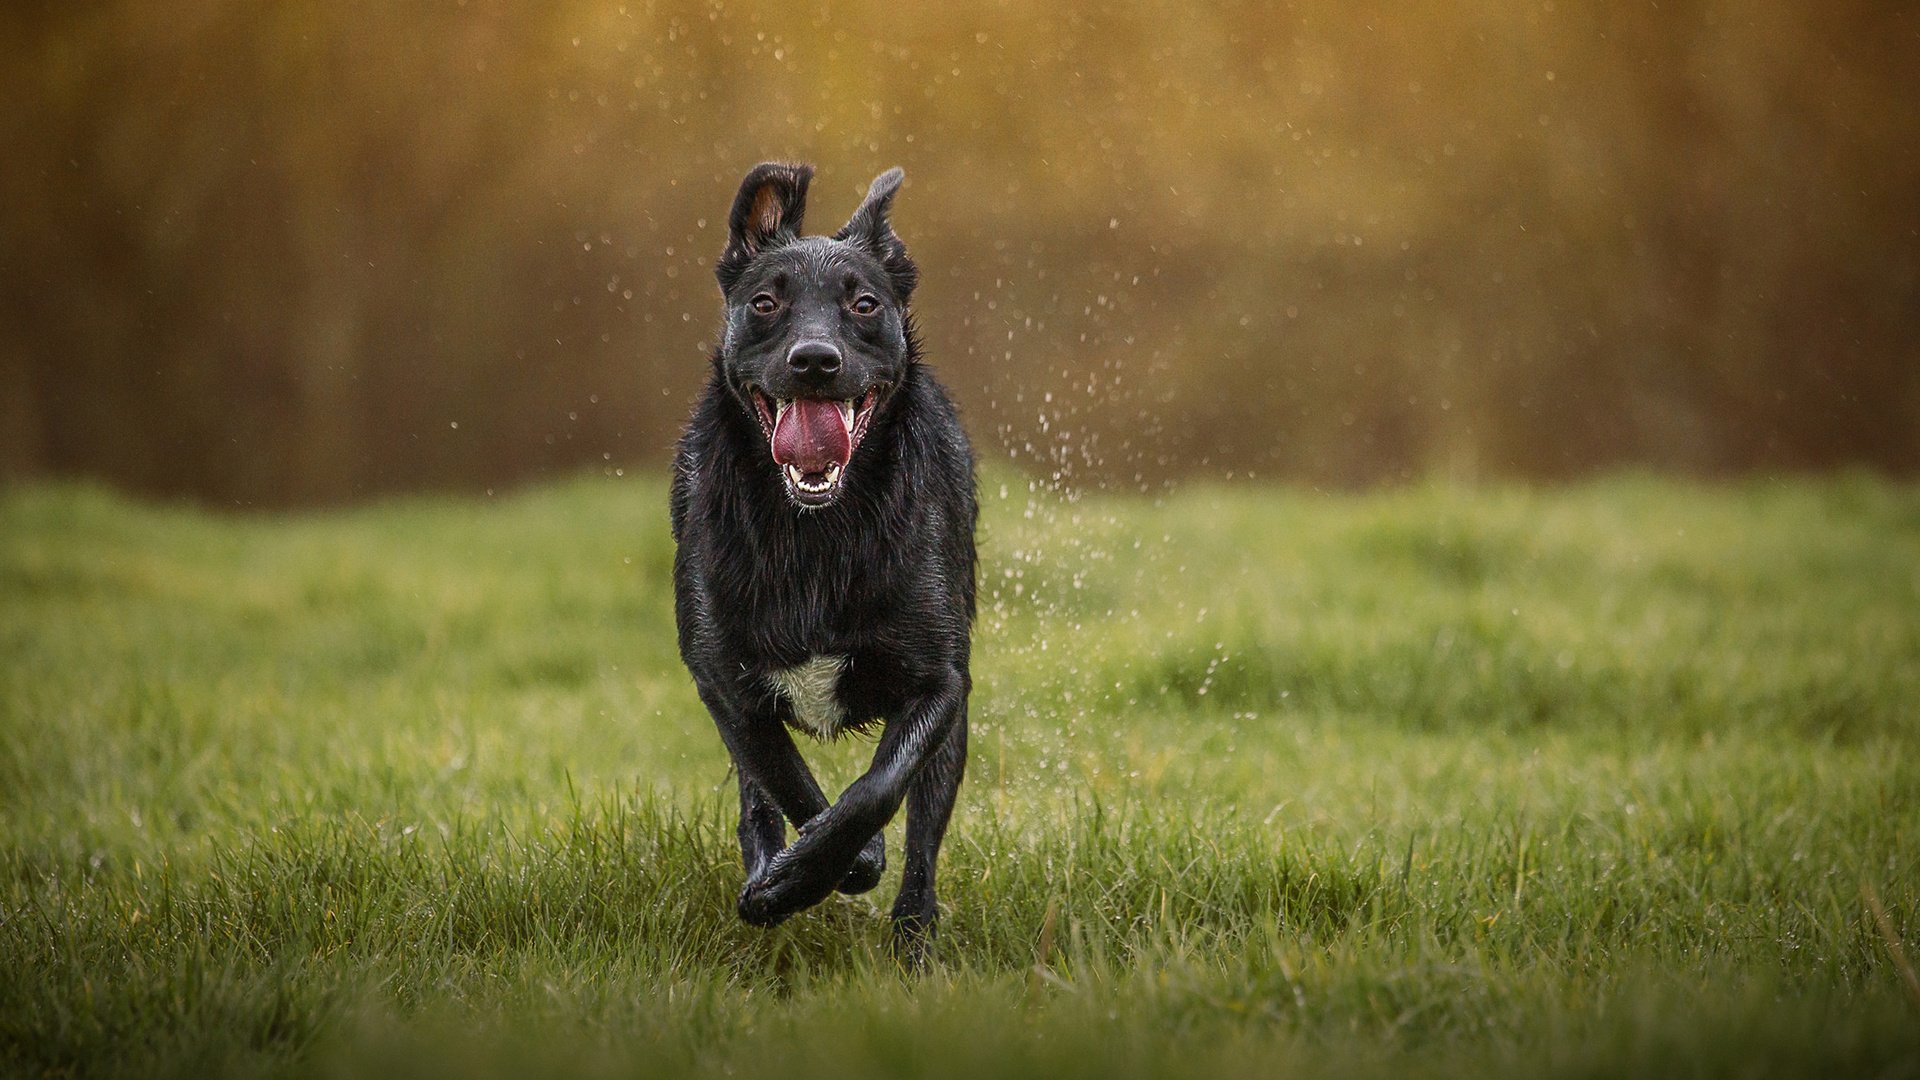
point(818, 333)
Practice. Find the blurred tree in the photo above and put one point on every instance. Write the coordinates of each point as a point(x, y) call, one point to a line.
point(308, 252)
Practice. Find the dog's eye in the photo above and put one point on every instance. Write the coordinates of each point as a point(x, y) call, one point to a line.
point(865, 304)
point(765, 304)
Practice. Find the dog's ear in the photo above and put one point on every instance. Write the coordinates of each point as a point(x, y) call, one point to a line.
point(766, 213)
point(871, 228)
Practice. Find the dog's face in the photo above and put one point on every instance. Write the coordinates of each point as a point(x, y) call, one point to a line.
point(817, 333)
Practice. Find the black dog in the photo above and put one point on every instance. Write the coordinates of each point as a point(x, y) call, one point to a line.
point(823, 504)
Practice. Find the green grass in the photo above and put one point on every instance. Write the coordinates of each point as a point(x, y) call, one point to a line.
point(1435, 781)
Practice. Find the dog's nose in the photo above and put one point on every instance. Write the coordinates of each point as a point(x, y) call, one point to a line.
point(814, 360)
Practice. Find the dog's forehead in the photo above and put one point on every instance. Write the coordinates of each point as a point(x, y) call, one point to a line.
point(815, 259)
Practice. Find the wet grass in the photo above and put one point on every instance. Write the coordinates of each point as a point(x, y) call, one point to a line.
point(1594, 781)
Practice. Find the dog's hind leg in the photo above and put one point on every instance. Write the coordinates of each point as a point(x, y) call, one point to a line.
point(930, 801)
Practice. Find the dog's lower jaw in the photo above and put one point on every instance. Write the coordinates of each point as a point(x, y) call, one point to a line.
point(808, 494)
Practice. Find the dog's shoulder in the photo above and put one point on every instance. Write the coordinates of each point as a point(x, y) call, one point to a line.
point(708, 464)
point(941, 467)
point(934, 442)
point(689, 451)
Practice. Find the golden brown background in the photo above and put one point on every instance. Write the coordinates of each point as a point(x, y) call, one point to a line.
point(277, 253)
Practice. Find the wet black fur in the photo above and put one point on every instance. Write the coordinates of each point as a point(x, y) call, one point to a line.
point(883, 575)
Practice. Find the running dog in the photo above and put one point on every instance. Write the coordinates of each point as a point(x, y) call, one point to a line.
point(823, 506)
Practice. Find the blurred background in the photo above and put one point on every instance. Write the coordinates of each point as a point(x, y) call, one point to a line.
point(307, 252)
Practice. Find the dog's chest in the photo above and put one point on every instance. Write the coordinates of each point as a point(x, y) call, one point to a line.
point(809, 687)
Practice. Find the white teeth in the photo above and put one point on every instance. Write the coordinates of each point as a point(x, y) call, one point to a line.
point(780, 409)
point(846, 413)
point(813, 487)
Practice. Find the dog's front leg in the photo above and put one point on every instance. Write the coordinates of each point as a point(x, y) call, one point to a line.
point(810, 868)
point(763, 832)
point(930, 801)
point(774, 775)
point(764, 753)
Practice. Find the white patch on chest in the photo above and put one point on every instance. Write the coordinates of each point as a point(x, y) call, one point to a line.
point(808, 686)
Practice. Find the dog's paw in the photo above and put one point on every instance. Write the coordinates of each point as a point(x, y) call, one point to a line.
point(792, 882)
point(867, 868)
point(756, 906)
point(913, 934)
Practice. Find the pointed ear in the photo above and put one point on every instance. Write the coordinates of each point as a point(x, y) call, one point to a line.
point(766, 213)
point(872, 228)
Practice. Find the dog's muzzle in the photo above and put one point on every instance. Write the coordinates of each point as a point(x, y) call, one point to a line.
point(813, 439)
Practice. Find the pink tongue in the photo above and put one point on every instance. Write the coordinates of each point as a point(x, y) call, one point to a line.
point(810, 436)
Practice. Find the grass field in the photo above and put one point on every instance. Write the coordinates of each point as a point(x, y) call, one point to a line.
point(1497, 781)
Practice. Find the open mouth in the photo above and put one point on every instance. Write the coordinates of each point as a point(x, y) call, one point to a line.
point(813, 439)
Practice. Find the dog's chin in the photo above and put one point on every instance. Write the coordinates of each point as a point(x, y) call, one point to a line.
point(816, 489)
point(813, 491)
